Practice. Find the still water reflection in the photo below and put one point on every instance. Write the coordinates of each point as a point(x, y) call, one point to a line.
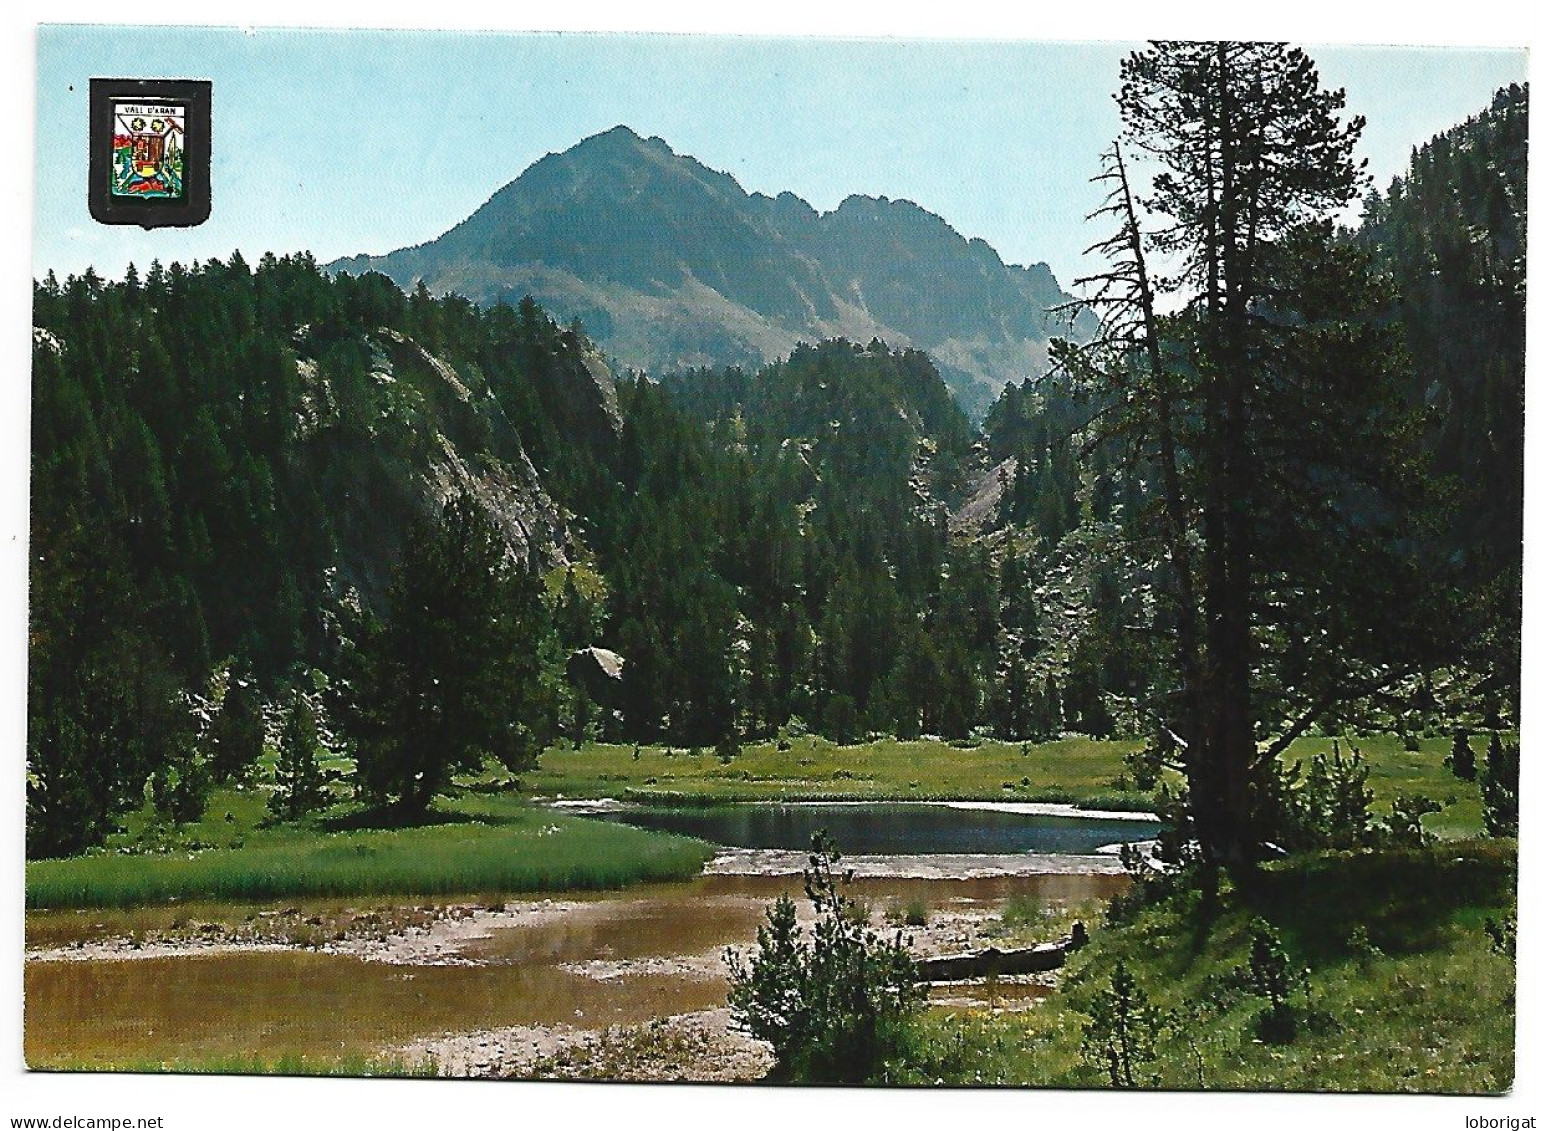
point(889, 828)
point(270, 1004)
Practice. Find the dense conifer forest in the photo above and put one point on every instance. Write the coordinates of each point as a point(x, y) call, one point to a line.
point(257, 483)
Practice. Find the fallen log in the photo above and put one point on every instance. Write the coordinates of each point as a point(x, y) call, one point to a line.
point(993, 962)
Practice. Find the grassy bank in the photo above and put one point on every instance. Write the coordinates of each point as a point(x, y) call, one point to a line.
point(490, 842)
point(477, 845)
point(815, 769)
point(1078, 770)
point(1404, 991)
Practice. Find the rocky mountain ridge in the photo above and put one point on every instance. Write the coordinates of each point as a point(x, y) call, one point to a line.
point(670, 264)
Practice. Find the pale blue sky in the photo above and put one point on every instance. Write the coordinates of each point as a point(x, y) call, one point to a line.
point(341, 142)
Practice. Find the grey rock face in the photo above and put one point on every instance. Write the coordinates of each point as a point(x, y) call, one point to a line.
point(417, 433)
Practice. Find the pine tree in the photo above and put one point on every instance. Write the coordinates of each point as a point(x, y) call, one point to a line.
point(237, 731)
point(300, 787)
point(181, 781)
point(456, 673)
point(1266, 403)
point(1462, 759)
point(1500, 788)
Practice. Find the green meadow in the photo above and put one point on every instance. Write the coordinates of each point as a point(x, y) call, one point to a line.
point(1077, 770)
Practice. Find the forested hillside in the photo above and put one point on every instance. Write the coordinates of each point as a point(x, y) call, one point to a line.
point(252, 484)
point(1452, 234)
point(224, 461)
point(237, 472)
point(1449, 239)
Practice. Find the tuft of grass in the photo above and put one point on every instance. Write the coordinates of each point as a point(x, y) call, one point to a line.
point(914, 913)
point(1025, 920)
point(1023, 911)
point(656, 1050)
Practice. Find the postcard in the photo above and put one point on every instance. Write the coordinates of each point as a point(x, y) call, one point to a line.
point(886, 563)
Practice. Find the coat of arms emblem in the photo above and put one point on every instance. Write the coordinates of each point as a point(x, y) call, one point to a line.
point(150, 152)
point(147, 150)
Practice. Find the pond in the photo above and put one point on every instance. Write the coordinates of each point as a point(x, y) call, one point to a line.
point(545, 966)
point(612, 958)
point(889, 828)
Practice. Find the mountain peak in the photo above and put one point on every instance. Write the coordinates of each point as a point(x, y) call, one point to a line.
point(619, 136)
point(618, 131)
point(671, 264)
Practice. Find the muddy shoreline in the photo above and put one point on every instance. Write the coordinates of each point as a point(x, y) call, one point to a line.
point(642, 970)
point(945, 867)
point(433, 935)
